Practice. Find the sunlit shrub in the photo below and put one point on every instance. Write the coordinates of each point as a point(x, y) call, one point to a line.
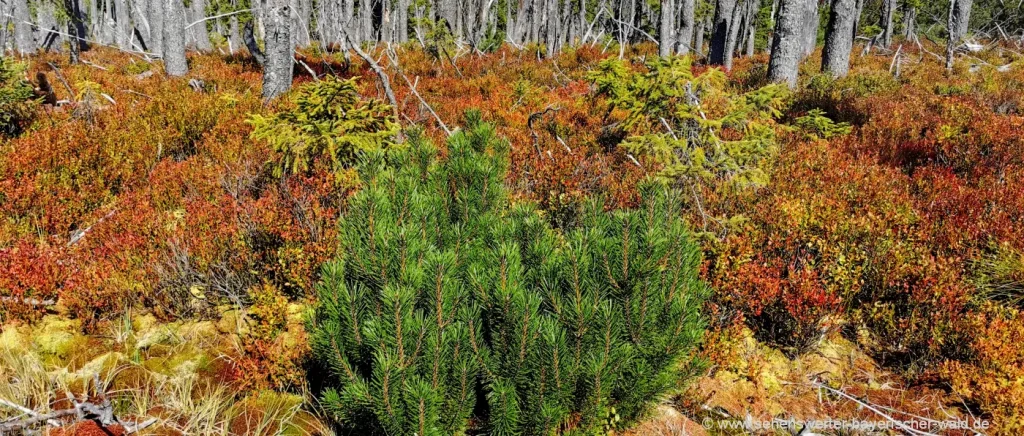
point(451, 308)
point(16, 98)
point(329, 123)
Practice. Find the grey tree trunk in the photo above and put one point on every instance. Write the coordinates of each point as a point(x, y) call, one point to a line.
point(76, 28)
point(279, 53)
point(24, 41)
point(753, 6)
point(156, 26)
point(95, 21)
point(48, 28)
point(199, 31)
point(685, 38)
point(888, 11)
point(668, 28)
point(702, 30)
point(366, 32)
point(787, 42)
point(959, 18)
point(909, 22)
point(124, 24)
point(856, 17)
point(175, 63)
point(720, 32)
point(812, 20)
point(402, 15)
point(234, 36)
point(735, 24)
point(835, 57)
point(301, 13)
point(553, 27)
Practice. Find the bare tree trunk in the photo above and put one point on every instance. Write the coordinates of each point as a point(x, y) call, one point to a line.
point(403, 21)
point(48, 27)
point(835, 57)
point(812, 20)
point(553, 27)
point(175, 63)
point(668, 28)
point(856, 18)
point(125, 30)
point(235, 37)
point(685, 38)
point(788, 42)
point(156, 26)
point(95, 17)
point(76, 28)
point(365, 32)
point(279, 54)
point(24, 41)
point(703, 28)
point(959, 18)
point(888, 11)
point(720, 33)
point(199, 32)
point(735, 24)
point(909, 22)
point(753, 6)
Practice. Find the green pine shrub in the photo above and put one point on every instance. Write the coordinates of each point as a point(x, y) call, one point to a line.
point(452, 307)
point(329, 123)
point(17, 104)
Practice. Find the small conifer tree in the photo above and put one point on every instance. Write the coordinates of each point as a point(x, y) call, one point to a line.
point(449, 302)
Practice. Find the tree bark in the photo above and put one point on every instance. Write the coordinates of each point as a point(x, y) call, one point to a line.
point(888, 11)
point(909, 22)
point(668, 28)
point(959, 19)
point(685, 38)
point(156, 26)
point(702, 30)
point(24, 41)
point(720, 32)
point(835, 57)
point(125, 30)
point(175, 63)
point(788, 42)
point(279, 53)
point(753, 6)
point(735, 24)
point(76, 28)
point(234, 35)
point(812, 20)
point(199, 32)
point(48, 27)
point(553, 23)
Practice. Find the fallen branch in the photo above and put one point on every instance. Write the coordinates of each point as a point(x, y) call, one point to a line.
point(870, 407)
point(383, 76)
point(393, 57)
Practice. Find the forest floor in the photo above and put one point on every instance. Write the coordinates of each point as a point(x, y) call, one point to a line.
point(137, 217)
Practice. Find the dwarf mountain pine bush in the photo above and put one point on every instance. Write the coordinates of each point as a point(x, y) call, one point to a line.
point(452, 307)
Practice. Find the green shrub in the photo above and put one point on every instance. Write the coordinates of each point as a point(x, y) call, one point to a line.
point(329, 121)
point(16, 98)
point(452, 308)
point(692, 126)
point(818, 126)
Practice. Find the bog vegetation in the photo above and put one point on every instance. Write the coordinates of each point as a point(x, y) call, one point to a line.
point(489, 229)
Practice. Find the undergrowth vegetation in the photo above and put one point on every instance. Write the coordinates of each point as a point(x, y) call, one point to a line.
point(885, 210)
